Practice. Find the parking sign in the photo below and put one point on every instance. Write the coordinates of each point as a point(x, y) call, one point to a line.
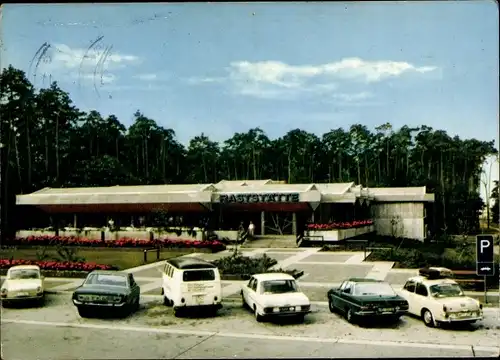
point(485, 264)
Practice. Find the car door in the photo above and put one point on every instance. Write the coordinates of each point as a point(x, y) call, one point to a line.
point(343, 295)
point(336, 293)
point(421, 298)
point(246, 289)
point(135, 290)
point(408, 292)
point(252, 293)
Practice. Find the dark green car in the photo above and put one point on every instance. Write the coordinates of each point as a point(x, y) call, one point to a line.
point(367, 299)
point(114, 291)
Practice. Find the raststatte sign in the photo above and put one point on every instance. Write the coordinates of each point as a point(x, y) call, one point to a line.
point(259, 198)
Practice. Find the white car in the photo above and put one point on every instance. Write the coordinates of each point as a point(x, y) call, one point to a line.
point(274, 295)
point(440, 301)
point(23, 283)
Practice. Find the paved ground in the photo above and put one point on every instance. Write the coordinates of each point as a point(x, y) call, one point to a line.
point(322, 270)
point(57, 332)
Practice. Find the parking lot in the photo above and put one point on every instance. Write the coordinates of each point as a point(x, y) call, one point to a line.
point(59, 330)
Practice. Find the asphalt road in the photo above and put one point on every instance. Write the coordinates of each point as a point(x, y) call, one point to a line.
point(57, 332)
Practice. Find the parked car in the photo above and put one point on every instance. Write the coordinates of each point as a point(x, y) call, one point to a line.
point(23, 283)
point(274, 295)
point(439, 299)
point(189, 282)
point(109, 290)
point(366, 298)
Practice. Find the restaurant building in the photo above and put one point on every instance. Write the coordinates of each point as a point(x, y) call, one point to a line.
point(274, 207)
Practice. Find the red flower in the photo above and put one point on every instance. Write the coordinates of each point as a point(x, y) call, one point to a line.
point(120, 243)
point(340, 225)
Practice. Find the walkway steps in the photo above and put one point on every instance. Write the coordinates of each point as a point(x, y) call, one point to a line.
point(271, 241)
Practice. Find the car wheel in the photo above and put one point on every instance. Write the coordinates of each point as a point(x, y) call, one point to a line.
point(177, 313)
point(166, 301)
point(84, 312)
point(137, 304)
point(243, 302)
point(5, 304)
point(428, 318)
point(349, 316)
point(331, 306)
point(258, 317)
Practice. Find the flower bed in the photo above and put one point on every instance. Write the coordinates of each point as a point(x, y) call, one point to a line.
point(340, 225)
point(52, 240)
point(56, 265)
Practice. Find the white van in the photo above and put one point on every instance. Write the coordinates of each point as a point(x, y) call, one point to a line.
point(191, 282)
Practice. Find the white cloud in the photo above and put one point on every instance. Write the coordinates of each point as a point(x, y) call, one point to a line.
point(281, 74)
point(102, 79)
point(146, 77)
point(97, 64)
point(353, 97)
point(275, 79)
point(204, 80)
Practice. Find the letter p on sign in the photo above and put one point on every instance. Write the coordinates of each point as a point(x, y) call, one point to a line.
point(484, 246)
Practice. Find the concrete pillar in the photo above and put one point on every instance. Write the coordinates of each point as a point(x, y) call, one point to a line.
point(294, 223)
point(75, 221)
point(263, 223)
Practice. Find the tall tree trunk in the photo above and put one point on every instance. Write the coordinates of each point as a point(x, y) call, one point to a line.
point(18, 160)
point(28, 142)
point(379, 181)
point(290, 165)
point(57, 149)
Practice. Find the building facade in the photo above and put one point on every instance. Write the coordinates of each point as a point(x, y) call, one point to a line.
point(272, 206)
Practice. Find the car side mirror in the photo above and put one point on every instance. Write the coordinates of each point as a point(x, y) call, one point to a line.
point(345, 291)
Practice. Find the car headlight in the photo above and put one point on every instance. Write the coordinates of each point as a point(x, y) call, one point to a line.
point(4, 291)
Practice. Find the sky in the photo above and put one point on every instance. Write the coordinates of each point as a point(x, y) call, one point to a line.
point(225, 68)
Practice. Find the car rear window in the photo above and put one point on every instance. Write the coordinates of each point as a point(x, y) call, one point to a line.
point(198, 275)
point(107, 279)
point(21, 274)
point(381, 289)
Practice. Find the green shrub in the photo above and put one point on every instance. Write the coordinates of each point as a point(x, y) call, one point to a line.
point(244, 265)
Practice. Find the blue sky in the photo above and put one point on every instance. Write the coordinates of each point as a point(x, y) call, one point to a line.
point(221, 68)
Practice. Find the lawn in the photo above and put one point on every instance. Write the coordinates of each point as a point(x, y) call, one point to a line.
point(122, 258)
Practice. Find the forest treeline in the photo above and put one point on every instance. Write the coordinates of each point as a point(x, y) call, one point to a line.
point(48, 142)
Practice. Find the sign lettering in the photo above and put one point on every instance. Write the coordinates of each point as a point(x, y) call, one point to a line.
point(485, 264)
point(259, 198)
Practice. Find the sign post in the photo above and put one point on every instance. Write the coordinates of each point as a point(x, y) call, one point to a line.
point(485, 263)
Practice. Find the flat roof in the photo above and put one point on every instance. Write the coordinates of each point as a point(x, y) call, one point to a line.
point(210, 193)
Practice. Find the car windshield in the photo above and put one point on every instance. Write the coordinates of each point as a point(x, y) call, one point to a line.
point(21, 274)
point(106, 279)
point(378, 289)
point(278, 286)
point(446, 290)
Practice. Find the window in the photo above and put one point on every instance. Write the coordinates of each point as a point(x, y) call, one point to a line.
point(278, 286)
point(20, 274)
point(171, 271)
point(342, 286)
point(421, 290)
point(253, 285)
point(250, 282)
point(382, 289)
point(348, 288)
point(446, 290)
point(107, 279)
point(131, 280)
point(198, 275)
point(410, 286)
